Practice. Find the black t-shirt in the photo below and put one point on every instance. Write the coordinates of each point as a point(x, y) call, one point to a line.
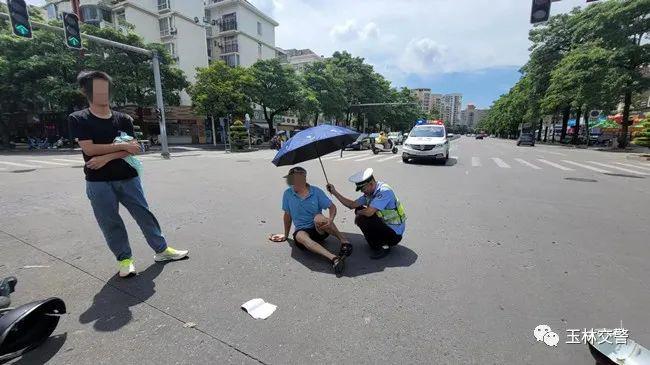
point(87, 126)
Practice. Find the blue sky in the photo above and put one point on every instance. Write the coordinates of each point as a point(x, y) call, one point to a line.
point(473, 47)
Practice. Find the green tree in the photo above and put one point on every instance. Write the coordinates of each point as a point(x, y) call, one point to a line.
point(328, 87)
point(275, 87)
point(238, 135)
point(220, 90)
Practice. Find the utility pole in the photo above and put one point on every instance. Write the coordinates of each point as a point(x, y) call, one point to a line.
point(156, 73)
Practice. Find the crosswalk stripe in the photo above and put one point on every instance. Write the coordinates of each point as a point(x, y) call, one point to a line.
point(552, 153)
point(476, 161)
point(557, 166)
point(587, 167)
point(19, 164)
point(69, 160)
point(635, 166)
point(366, 158)
point(502, 164)
point(349, 157)
point(526, 163)
point(387, 158)
point(618, 168)
point(47, 162)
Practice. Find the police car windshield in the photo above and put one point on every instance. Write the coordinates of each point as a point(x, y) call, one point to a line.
point(432, 131)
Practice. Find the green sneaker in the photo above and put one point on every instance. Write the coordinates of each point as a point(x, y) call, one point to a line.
point(170, 254)
point(127, 268)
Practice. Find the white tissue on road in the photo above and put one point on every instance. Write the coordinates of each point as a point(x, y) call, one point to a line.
point(259, 309)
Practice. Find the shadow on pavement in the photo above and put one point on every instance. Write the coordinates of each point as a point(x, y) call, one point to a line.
point(43, 353)
point(450, 162)
point(359, 263)
point(111, 308)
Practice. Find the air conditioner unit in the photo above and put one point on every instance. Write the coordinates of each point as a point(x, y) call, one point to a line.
point(173, 31)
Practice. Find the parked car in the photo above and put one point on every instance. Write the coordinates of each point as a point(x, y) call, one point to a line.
point(480, 136)
point(397, 137)
point(257, 140)
point(362, 143)
point(526, 138)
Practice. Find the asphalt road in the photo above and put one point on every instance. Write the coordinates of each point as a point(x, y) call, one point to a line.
point(499, 240)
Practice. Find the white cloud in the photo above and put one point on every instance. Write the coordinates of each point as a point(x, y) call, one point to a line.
point(370, 31)
point(345, 32)
point(423, 56)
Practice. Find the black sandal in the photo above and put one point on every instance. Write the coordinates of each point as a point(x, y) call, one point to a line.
point(338, 264)
point(346, 250)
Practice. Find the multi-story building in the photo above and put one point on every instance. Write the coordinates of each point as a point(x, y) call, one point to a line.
point(436, 103)
point(423, 96)
point(299, 58)
point(175, 23)
point(472, 116)
point(239, 33)
point(451, 108)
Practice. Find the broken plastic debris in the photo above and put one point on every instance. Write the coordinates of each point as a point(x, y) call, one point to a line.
point(189, 325)
point(258, 309)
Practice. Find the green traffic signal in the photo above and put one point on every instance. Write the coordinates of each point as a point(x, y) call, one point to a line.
point(74, 42)
point(19, 17)
point(71, 30)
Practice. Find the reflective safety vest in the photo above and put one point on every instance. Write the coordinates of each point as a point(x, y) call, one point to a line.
point(391, 216)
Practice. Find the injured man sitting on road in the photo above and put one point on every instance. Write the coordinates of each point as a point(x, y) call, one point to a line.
point(303, 205)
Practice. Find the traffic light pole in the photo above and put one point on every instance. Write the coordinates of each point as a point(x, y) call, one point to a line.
point(156, 73)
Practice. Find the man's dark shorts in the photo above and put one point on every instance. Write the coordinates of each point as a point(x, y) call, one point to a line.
point(313, 234)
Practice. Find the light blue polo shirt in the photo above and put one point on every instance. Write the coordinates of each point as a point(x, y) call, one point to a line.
point(303, 211)
point(384, 198)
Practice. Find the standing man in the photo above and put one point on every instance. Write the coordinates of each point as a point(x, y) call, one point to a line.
point(303, 205)
point(110, 180)
point(379, 214)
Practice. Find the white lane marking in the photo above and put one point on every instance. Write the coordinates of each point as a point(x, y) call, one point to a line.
point(526, 163)
point(387, 158)
point(587, 167)
point(557, 166)
point(619, 168)
point(19, 164)
point(350, 157)
point(367, 158)
point(502, 164)
point(552, 153)
point(68, 160)
point(635, 166)
point(476, 161)
point(48, 162)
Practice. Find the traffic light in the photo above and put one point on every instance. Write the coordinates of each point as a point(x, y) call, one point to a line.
point(540, 11)
point(71, 30)
point(19, 18)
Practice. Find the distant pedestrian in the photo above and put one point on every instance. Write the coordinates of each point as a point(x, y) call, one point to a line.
point(110, 180)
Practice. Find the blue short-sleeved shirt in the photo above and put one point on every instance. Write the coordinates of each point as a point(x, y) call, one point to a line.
point(303, 211)
point(384, 198)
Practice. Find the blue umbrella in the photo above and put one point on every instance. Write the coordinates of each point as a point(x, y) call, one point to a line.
point(313, 143)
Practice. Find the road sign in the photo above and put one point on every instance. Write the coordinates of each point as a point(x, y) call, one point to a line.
point(71, 30)
point(19, 16)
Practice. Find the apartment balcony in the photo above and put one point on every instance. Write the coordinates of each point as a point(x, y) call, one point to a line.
point(227, 26)
point(229, 48)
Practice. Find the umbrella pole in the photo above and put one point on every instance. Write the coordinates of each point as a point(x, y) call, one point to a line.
point(321, 164)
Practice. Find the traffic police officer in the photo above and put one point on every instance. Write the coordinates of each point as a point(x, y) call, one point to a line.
point(379, 213)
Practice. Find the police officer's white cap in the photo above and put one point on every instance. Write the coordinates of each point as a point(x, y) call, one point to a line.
point(362, 177)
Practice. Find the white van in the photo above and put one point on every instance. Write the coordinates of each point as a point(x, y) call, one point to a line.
point(426, 141)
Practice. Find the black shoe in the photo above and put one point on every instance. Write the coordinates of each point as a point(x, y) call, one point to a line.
point(346, 250)
point(338, 264)
point(380, 253)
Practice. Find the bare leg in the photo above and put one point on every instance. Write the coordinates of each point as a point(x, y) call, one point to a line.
point(303, 238)
point(320, 221)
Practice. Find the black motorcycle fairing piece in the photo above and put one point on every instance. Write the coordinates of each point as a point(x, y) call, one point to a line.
point(25, 327)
